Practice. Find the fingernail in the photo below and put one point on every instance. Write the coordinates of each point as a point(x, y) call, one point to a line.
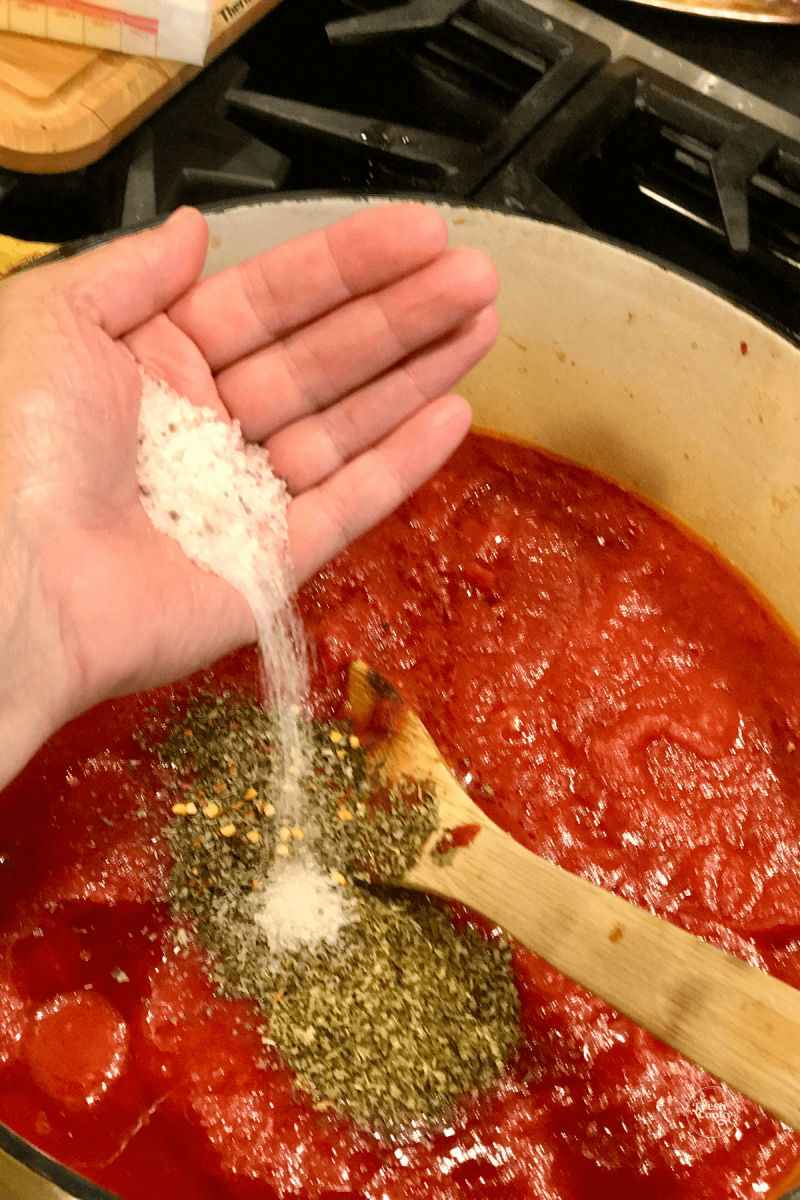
point(177, 216)
point(447, 411)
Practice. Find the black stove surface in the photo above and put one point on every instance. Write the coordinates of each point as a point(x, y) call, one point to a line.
point(491, 101)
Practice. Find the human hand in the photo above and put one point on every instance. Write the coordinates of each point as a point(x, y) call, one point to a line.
point(336, 351)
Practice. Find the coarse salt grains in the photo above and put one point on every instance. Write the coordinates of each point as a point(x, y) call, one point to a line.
point(302, 906)
point(219, 498)
point(202, 484)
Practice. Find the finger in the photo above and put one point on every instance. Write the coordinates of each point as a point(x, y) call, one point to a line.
point(248, 306)
point(337, 353)
point(167, 353)
point(123, 284)
point(327, 518)
point(308, 451)
point(348, 347)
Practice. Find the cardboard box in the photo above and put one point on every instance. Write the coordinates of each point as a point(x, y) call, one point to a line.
point(173, 29)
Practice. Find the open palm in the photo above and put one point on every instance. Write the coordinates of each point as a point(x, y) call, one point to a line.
point(336, 351)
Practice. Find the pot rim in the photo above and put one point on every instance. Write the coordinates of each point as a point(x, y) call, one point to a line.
point(68, 249)
point(71, 1183)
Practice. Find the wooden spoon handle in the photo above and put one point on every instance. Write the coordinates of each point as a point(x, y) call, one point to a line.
point(726, 1016)
point(719, 1012)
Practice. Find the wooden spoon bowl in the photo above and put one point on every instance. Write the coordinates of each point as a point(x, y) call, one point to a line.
point(738, 1023)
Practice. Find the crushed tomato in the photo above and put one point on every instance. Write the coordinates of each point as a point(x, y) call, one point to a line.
point(610, 692)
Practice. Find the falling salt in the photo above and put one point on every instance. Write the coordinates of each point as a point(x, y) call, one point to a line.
point(219, 498)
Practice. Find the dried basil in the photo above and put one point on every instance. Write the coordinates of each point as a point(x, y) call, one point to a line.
point(406, 1012)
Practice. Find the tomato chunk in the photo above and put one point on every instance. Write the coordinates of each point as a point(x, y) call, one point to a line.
point(77, 1048)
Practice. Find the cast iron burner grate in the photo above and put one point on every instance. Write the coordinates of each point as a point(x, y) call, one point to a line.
point(648, 160)
point(494, 59)
point(489, 101)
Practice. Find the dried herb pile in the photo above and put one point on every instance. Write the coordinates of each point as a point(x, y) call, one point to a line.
point(404, 1013)
point(404, 1017)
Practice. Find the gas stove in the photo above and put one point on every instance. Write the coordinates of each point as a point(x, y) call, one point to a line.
point(679, 136)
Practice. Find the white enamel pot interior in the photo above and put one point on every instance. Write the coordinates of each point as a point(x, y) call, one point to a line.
point(625, 366)
point(618, 363)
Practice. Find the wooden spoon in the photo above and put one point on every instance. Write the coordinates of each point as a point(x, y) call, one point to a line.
point(726, 1016)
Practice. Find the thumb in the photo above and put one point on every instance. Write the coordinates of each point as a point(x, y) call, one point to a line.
point(124, 283)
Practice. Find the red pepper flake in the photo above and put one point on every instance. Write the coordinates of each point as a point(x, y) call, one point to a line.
point(743, 348)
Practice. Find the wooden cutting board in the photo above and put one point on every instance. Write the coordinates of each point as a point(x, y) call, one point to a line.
point(63, 106)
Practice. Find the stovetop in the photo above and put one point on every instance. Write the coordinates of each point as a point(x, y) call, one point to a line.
point(615, 118)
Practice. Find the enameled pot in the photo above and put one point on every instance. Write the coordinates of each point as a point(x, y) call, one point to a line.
point(617, 362)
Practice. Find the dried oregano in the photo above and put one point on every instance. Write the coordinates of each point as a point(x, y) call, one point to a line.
point(403, 1013)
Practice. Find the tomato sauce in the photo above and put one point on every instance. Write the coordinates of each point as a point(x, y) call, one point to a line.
point(610, 692)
